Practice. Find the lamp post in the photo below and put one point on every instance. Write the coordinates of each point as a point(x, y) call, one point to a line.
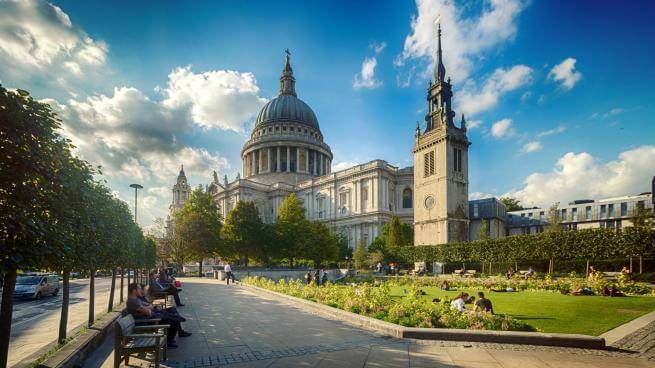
point(136, 190)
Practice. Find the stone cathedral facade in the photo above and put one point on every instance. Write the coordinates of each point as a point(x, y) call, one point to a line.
point(286, 153)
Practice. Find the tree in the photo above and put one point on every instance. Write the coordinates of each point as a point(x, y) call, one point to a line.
point(511, 204)
point(242, 232)
point(291, 228)
point(554, 219)
point(345, 251)
point(197, 227)
point(320, 244)
point(375, 257)
point(483, 230)
point(643, 217)
point(360, 256)
point(30, 147)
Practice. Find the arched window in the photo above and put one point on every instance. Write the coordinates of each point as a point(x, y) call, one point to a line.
point(407, 198)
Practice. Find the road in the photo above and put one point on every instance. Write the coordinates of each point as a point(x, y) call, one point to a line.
point(35, 323)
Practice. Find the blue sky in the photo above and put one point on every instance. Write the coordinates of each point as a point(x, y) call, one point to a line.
point(561, 92)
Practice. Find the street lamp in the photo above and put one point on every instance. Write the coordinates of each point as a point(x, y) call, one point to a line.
point(136, 188)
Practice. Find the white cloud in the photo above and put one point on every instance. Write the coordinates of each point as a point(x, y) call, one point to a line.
point(343, 165)
point(472, 124)
point(565, 73)
point(464, 38)
point(472, 101)
point(38, 40)
point(223, 99)
point(560, 129)
point(366, 78)
point(378, 47)
point(582, 176)
point(534, 146)
point(480, 195)
point(502, 129)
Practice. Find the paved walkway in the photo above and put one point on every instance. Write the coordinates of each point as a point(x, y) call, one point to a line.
point(234, 327)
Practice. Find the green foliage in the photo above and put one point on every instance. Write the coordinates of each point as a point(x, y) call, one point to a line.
point(360, 256)
point(320, 245)
point(643, 216)
point(291, 228)
point(483, 231)
point(554, 219)
point(242, 233)
point(345, 252)
point(197, 226)
point(560, 245)
point(512, 204)
point(411, 310)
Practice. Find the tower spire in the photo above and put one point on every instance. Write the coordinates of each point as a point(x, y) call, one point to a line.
point(287, 81)
point(439, 69)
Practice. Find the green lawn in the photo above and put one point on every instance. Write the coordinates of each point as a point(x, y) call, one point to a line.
point(554, 312)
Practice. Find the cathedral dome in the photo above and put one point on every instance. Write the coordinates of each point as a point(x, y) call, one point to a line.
point(287, 108)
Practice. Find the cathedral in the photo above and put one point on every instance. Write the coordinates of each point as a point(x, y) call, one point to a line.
point(286, 153)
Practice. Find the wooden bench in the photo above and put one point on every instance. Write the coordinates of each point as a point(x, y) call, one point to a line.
point(131, 339)
point(457, 273)
point(470, 273)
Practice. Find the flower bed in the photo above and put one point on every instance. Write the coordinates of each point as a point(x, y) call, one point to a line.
point(546, 283)
point(377, 302)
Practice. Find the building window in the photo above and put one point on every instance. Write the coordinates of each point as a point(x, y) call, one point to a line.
point(283, 158)
point(587, 213)
point(302, 164)
point(321, 207)
point(564, 215)
point(364, 198)
point(610, 210)
point(574, 213)
point(542, 216)
point(457, 159)
point(475, 210)
point(343, 202)
point(428, 162)
point(624, 209)
point(407, 198)
point(603, 211)
point(264, 158)
point(530, 215)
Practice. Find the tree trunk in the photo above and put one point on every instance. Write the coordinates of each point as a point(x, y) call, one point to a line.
point(516, 266)
point(65, 298)
point(5, 314)
point(128, 277)
point(111, 291)
point(641, 264)
point(92, 291)
point(586, 272)
point(630, 264)
point(122, 272)
point(482, 267)
point(200, 268)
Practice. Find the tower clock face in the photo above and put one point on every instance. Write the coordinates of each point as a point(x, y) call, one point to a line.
point(429, 202)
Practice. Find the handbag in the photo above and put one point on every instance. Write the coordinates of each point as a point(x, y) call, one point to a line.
point(177, 283)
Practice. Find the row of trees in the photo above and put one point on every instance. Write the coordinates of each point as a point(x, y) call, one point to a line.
point(586, 244)
point(54, 215)
point(393, 237)
point(200, 233)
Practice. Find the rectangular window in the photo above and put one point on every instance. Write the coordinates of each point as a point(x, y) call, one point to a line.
point(321, 210)
point(564, 215)
point(457, 159)
point(475, 210)
point(624, 209)
point(364, 198)
point(542, 215)
point(603, 211)
point(343, 198)
point(302, 165)
point(264, 158)
point(311, 161)
point(587, 213)
point(428, 162)
point(530, 215)
point(283, 158)
point(574, 213)
point(610, 210)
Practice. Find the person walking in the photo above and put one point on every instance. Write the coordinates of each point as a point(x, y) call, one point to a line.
point(228, 273)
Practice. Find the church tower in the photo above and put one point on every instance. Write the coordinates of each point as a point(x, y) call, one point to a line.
point(440, 167)
point(181, 191)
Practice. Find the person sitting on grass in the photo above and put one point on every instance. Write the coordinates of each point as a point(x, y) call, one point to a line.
point(141, 310)
point(445, 286)
point(483, 304)
point(612, 291)
point(459, 303)
point(510, 273)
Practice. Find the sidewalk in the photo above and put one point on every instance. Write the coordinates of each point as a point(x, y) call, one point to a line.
point(233, 327)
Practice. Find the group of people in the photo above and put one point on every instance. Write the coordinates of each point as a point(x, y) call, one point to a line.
point(140, 306)
point(511, 272)
point(320, 277)
point(482, 304)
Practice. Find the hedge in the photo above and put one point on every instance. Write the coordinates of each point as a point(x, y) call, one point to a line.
point(565, 245)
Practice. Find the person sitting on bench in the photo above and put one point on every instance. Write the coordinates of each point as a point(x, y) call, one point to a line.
point(170, 311)
point(157, 287)
point(141, 310)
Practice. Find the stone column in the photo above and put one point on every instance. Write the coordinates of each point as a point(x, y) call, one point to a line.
point(288, 156)
point(306, 161)
point(268, 164)
point(277, 156)
point(321, 168)
point(375, 190)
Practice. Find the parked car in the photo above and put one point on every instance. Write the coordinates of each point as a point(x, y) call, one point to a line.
point(36, 286)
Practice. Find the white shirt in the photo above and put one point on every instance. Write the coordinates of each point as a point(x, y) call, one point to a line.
point(228, 268)
point(458, 304)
